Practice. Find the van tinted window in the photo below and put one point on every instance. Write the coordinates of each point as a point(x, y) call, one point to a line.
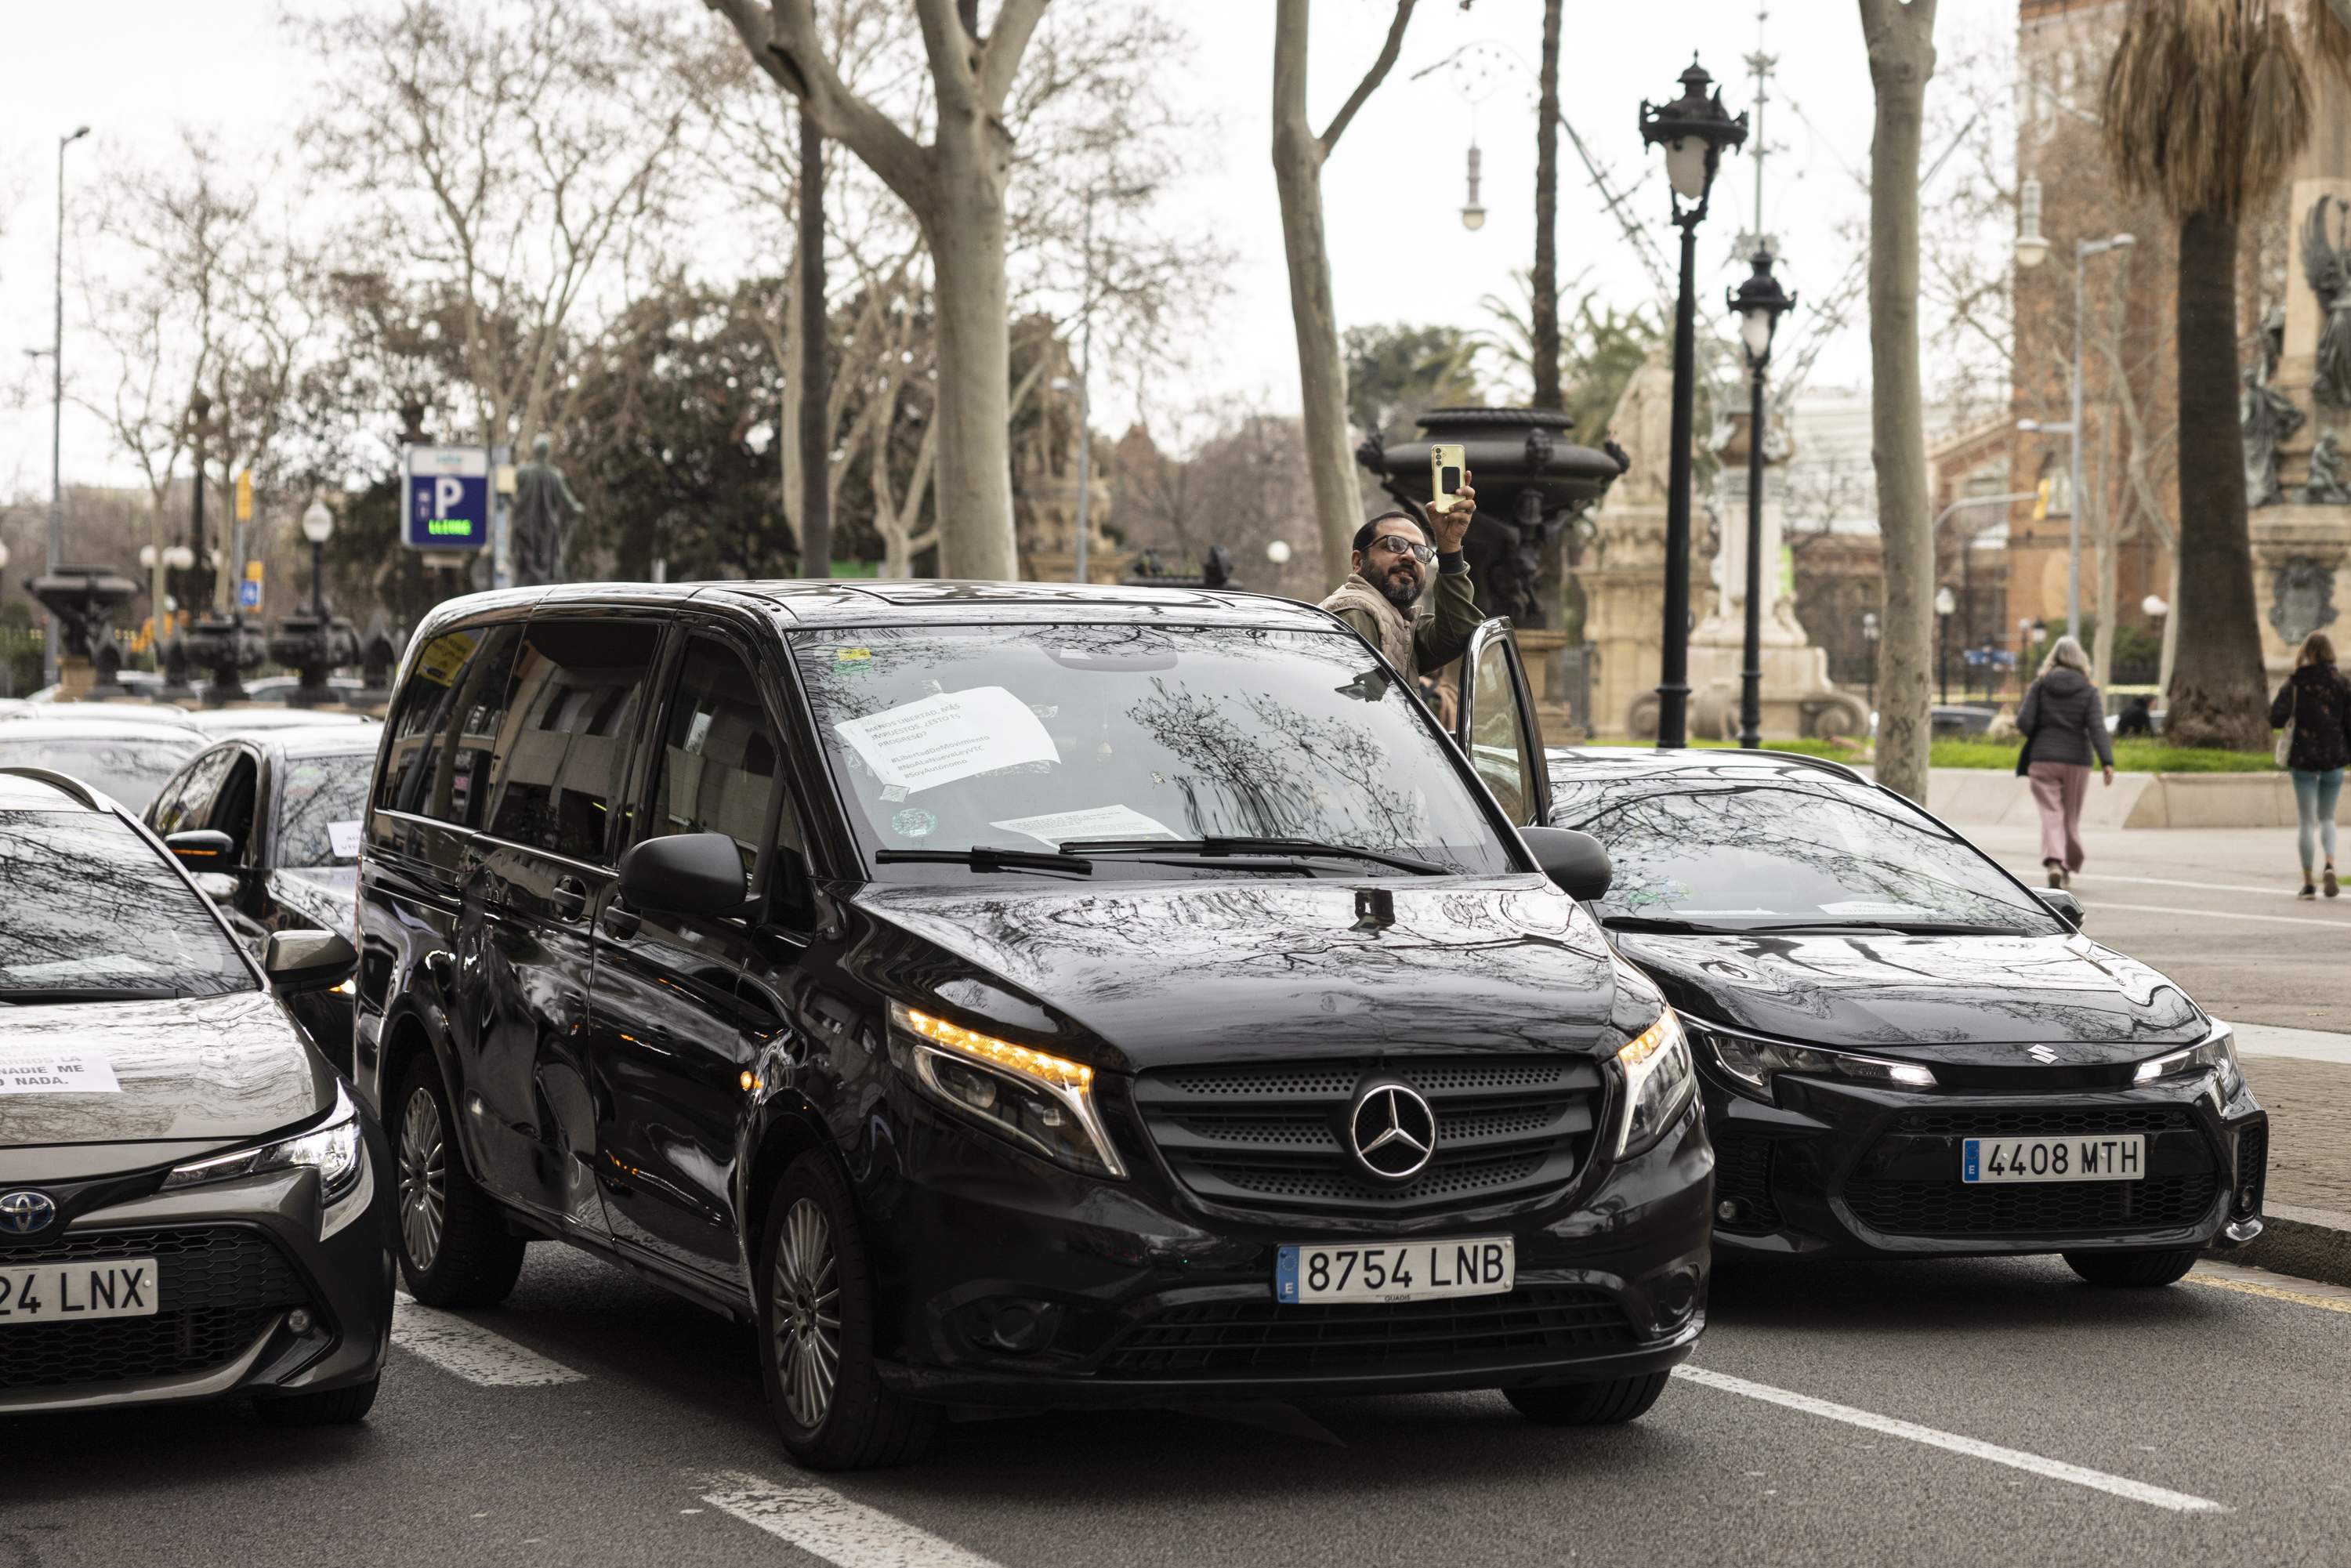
point(447, 718)
point(719, 761)
point(564, 739)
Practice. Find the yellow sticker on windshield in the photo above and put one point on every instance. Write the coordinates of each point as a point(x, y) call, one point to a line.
point(843, 655)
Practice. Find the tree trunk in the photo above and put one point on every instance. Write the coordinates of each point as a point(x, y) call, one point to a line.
point(2219, 688)
point(974, 478)
point(814, 435)
point(1901, 58)
point(1322, 373)
point(1544, 312)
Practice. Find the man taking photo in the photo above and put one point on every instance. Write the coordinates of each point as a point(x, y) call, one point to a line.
point(1393, 555)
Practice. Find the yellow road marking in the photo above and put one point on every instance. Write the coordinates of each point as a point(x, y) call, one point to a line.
point(2239, 1279)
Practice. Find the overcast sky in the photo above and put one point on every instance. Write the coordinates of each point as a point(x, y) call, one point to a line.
point(1392, 190)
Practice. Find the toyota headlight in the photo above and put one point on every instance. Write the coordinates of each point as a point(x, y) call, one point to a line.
point(1751, 1063)
point(332, 1148)
point(1657, 1082)
point(1040, 1102)
point(2216, 1053)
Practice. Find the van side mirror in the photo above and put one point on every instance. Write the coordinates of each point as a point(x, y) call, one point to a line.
point(2062, 904)
point(298, 961)
point(684, 874)
point(791, 894)
point(1575, 861)
point(202, 848)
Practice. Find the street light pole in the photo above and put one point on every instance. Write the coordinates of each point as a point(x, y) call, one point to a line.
point(1694, 130)
point(58, 411)
point(1945, 603)
point(1759, 303)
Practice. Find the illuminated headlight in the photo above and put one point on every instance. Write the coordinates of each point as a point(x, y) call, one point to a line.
point(2216, 1053)
point(332, 1148)
point(1751, 1063)
point(1657, 1082)
point(1039, 1100)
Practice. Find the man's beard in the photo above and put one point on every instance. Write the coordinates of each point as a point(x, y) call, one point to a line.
point(1397, 591)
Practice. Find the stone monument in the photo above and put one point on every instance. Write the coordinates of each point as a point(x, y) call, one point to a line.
point(545, 510)
point(1625, 570)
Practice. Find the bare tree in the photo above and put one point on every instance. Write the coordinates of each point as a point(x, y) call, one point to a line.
point(1900, 35)
point(1299, 154)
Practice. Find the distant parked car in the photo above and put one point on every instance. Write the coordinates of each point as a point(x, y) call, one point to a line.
point(138, 711)
point(277, 688)
point(1952, 719)
point(219, 723)
point(270, 825)
point(126, 758)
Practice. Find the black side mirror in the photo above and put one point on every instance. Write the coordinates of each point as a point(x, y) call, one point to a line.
point(791, 894)
point(299, 961)
point(684, 874)
point(2062, 904)
point(1573, 859)
point(201, 848)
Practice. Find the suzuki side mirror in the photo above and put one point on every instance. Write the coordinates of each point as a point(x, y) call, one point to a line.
point(684, 874)
point(2062, 904)
point(298, 961)
point(201, 848)
point(1575, 861)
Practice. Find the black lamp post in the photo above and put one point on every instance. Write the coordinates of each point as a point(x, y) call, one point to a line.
point(1759, 303)
point(1945, 602)
point(1694, 130)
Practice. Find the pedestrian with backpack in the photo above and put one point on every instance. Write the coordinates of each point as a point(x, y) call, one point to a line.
point(2312, 713)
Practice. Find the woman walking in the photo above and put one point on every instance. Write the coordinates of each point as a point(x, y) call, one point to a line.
point(2063, 723)
point(2315, 702)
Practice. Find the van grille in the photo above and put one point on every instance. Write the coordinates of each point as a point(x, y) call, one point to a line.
point(1261, 1338)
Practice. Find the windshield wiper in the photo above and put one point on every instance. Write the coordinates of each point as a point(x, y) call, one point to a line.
point(983, 857)
point(1661, 924)
point(1277, 848)
point(25, 995)
point(1899, 927)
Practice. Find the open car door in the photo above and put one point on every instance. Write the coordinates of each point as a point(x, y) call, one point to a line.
point(1496, 726)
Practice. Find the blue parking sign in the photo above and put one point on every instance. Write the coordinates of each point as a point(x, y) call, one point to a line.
point(446, 498)
point(248, 594)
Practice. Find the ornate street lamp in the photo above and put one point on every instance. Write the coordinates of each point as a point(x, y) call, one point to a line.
point(1693, 129)
point(317, 527)
point(1473, 211)
point(1945, 602)
point(1759, 303)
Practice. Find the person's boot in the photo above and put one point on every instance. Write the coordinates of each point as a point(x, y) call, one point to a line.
point(2334, 888)
point(2056, 874)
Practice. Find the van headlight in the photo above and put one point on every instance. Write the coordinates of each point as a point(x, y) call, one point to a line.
point(1041, 1101)
point(333, 1149)
point(2216, 1053)
point(1657, 1082)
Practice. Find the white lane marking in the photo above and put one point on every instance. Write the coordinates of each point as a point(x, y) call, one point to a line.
point(2274, 1287)
point(2102, 905)
point(2275, 1039)
point(2175, 882)
point(2015, 1459)
point(470, 1351)
point(822, 1522)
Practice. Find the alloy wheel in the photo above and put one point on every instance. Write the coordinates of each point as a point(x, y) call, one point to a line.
point(806, 1307)
point(424, 1179)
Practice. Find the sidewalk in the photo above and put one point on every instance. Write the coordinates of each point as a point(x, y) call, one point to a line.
point(2302, 1078)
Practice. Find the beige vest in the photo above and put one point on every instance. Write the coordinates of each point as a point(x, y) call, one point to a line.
point(1396, 626)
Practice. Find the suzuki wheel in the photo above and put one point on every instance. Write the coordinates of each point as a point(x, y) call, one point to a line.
point(454, 1248)
point(2131, 1271)
point(1589, 1404)
point(816, 1332)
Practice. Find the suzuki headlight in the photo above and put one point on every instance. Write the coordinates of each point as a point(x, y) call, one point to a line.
point(1041, 1101)
point(1751, 1063)
point(1657, 1082)
point(2216, 1053)
point(332, 1148)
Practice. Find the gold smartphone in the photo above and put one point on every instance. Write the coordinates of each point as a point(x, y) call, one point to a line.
point(1445, 469)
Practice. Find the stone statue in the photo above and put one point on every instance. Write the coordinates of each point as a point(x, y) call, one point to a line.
point(2302, 598)
point(2325, 488)
point(544, 512)
point(2269, 418)
point(2326, 264)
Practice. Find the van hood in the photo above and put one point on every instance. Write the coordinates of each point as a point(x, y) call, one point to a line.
point(194, 1073)
point(1143, 973)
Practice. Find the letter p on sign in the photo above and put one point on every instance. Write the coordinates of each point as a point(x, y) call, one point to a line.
point(447, 491)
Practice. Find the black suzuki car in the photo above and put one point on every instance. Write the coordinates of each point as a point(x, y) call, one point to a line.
point(1905, 1051)
point(1013, 996)
point(192, 1203)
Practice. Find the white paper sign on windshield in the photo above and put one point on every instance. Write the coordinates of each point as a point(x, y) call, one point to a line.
point(946, 737)
point(343, 838)
point(1060, 827)
point(28, 1072)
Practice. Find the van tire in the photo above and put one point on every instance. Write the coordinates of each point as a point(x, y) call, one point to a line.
point(471, 1258)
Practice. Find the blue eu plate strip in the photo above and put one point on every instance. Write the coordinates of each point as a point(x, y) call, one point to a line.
point(1285, 1277)
point(1971, 1159)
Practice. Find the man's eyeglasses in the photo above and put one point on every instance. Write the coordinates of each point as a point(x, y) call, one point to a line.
point(1397, 544)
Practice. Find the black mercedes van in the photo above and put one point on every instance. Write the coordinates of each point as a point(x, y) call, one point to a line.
point(1017, 995)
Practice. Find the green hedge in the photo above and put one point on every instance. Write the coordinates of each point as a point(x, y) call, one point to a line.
point(2131, 755)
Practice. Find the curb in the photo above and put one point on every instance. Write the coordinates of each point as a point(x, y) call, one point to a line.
point(2311, 1243)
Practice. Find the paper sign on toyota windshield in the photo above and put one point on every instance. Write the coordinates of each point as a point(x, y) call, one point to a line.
point(946, 737)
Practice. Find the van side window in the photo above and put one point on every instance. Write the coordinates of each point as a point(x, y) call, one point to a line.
point(562, 745)
point(720, 761)
point(447, 716)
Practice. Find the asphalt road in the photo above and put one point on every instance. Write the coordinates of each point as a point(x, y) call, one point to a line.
point(2045, 1423)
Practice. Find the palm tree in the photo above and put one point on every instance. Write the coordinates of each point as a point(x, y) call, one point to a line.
point(2205, 106)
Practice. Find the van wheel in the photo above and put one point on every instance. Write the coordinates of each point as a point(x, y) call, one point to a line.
point(333, 1407)
point(2131, 1271)
point(1607, 1404)
point(454, 1248)
point(816, 1332)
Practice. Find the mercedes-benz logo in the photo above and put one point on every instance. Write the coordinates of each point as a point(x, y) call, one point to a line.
point(2040, 1053)
point(1392, 1130)
point(22, 1213)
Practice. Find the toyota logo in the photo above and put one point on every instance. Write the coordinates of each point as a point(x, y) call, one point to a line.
point(1392, 1130)
point(22, 1213)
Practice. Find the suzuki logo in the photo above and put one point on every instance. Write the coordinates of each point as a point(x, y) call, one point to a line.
point(2040, 1053)
point(1392, 1130)
point(22, 1213)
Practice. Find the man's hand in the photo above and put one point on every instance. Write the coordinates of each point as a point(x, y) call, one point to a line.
point(1453, 522)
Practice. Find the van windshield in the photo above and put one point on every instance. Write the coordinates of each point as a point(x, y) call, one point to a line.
point(1034, 738)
